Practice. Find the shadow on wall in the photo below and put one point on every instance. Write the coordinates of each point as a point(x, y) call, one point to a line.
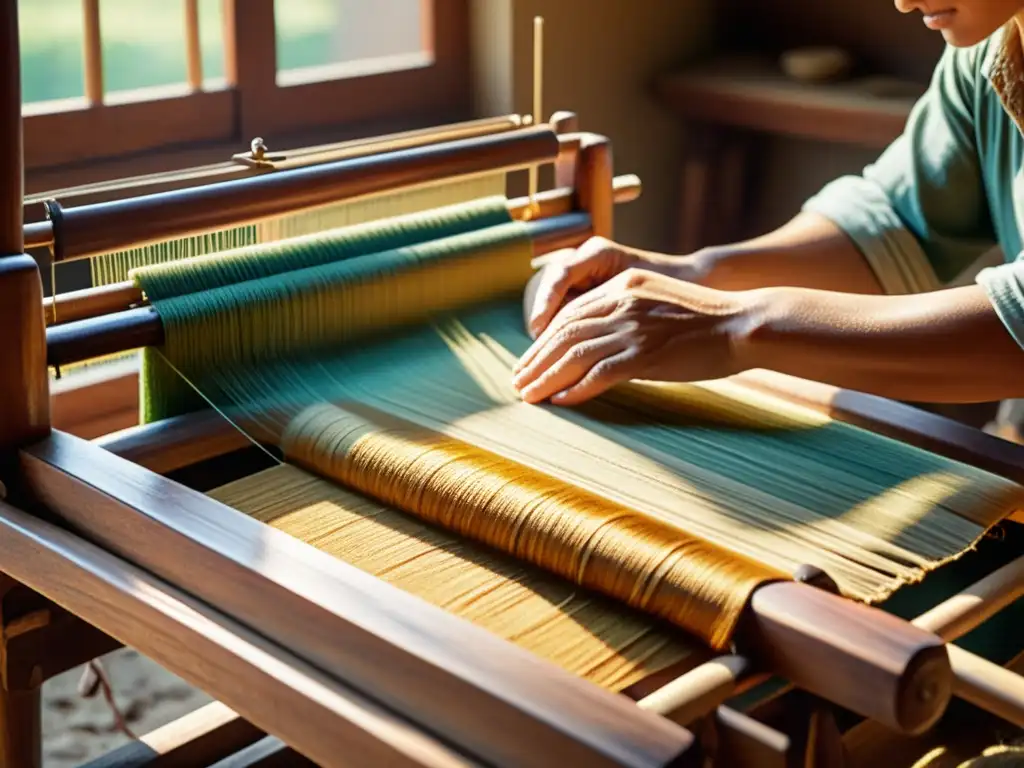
point(601, 59)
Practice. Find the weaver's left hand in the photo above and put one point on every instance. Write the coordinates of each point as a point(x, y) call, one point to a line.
point(638, 325)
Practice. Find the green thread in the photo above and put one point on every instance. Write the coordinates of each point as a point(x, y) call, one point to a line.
point(383, 314)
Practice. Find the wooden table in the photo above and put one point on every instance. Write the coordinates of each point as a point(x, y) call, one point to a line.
point(728, 102)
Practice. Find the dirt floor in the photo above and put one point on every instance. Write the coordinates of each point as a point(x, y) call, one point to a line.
point(76, 729)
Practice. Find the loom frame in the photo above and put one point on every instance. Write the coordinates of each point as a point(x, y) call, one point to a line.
point(898, 660)
point(80, 482)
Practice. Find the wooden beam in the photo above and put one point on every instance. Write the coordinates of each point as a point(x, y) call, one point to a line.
point(899, 421)
point(501, 703)
point(323, 718)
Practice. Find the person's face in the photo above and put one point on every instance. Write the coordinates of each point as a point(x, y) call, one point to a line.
point(963, 22)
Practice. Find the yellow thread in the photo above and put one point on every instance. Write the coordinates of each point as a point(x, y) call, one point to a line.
point(567, 531)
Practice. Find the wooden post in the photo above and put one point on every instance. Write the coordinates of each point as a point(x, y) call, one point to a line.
point(595, 193)
point(24, 391)
point(565, 167)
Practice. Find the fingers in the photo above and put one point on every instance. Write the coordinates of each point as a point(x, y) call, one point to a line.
point(564, 271)
point(568, 358)
point(599, 379)
point(553, 284)
point(585, 307)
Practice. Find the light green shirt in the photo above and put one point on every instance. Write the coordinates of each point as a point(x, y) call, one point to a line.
point(951, 187)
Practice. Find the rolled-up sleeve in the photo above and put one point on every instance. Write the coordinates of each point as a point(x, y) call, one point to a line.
point(919, 214)
point(1005, 288)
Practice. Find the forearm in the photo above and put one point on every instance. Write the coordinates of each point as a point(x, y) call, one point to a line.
point(808, 252)
point(946, 346)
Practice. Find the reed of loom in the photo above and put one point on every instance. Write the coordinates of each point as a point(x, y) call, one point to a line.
point(145, 595)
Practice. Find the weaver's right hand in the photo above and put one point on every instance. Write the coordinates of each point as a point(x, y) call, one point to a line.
point(572, 271)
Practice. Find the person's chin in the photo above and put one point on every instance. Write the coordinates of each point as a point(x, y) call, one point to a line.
point(959, 38)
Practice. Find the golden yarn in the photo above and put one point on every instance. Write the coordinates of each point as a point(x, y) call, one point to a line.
point(581, 632)
point(387, 370)
point(565, 530)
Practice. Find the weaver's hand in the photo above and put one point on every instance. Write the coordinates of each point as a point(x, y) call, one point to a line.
point(572, 271)
point(638, 325)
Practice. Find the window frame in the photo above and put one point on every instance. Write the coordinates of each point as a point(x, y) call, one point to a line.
point(80, 133)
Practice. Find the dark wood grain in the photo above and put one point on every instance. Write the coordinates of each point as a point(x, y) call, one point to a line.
point(858, 657)
point(323, 718)
point(94, 229)
point(103, 335)
point(594, 183)
point(500, 702)
point(92, 403)
point(753, 95)
point(86, 132)
point(24, 394)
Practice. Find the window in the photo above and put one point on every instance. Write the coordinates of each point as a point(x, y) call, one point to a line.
point(106, 79)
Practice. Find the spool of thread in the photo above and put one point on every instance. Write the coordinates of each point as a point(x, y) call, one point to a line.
point(817, 64)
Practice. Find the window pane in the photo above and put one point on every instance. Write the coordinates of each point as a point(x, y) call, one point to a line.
point(211, 38)
point(51, 49)
point(143, 43)
point(322, 34)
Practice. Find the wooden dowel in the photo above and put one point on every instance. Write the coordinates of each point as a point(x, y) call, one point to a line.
point(92, 51)
point(988, 686)
point(117, 297)
point(422, 137)
point(172, 444)
point(104, 335)
point(39, 234)
point(91, 302)
point(963, 612)
point(102, 228)
point(201, 737)
point(858, 657)
point(135, 328)
point(193, 51)
point(692, 696)
point(188, 178)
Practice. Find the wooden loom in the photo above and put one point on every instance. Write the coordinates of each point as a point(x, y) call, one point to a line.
point(100, 548)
